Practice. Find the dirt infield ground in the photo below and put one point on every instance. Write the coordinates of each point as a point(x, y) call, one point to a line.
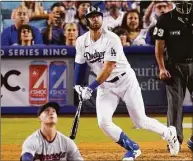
point(111, 151)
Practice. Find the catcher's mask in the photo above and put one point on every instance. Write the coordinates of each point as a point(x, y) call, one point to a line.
point(92, 11)
point(184, 7)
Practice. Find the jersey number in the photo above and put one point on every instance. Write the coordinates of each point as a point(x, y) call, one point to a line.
point(159, 32)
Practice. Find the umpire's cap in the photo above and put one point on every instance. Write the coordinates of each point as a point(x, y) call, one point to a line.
point(92, 11)
point(49, 104)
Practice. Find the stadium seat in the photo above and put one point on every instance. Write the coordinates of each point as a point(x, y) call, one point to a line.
point(100, 4)
point(40, 24)
point(47, 5)
point(6, 13)
point(7, 7)
point(7, 23)
point(1, 24)
point(10, 5)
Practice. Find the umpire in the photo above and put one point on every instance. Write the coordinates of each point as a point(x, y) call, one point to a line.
point(174, 55)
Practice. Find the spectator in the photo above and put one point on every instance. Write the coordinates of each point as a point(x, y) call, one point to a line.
point(54, 34)
point(115, 16)
point(70, 11)
point(9, 35)
point(136, 5)
point(133, 23)
point(80, 16)
point(70, 33)
point(26, 35)
point(35, 9)
point(122, 33)
point(155, 10)
point(126, 5)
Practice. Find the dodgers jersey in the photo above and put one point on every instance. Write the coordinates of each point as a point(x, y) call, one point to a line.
point(61, 148)
point(107, 48)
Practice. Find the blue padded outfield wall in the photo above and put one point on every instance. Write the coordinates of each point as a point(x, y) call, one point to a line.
point(28, 76)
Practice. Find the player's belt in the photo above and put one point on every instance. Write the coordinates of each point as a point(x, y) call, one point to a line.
point(187, 60)
point(116, 78)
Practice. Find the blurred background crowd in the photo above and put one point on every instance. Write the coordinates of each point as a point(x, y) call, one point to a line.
point(60, 23)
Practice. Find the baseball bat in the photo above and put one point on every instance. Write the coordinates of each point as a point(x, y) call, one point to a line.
point(76, 121)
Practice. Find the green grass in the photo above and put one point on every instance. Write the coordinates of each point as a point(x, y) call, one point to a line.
point(15, 130)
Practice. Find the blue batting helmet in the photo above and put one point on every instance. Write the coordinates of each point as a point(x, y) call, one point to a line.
point(92, 11)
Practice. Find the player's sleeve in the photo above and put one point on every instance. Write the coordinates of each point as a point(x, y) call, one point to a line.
point(114, 47)
point(80, 64)
point(160, 30)
point(27, 157)
point(28, 147)
point(72, 152)
point(79, 58)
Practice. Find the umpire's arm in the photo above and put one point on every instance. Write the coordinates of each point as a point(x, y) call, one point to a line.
point(159, 53)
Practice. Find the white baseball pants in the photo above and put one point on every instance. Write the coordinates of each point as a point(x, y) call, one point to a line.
point(126, 88)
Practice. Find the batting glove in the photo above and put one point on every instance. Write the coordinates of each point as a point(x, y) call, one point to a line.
point(78, 89)
point(86, 93)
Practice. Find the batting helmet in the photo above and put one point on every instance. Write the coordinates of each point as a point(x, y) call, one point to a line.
point(92, 11)
point(184, 7)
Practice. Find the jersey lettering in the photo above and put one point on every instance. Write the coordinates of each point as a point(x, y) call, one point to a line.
point(97, 56)
point(56, 156)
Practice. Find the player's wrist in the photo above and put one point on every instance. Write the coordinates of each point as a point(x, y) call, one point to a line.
point(94, 85)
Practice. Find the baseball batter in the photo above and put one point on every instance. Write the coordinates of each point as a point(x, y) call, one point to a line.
point(103, 52)
point(47, 143)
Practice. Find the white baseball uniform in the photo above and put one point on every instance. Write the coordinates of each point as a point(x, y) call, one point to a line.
point(109, 48)
point(61, 148)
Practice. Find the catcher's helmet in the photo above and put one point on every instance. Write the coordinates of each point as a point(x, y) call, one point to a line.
point(184, 7)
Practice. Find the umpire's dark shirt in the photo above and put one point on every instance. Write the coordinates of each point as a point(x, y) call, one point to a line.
point(178, 35)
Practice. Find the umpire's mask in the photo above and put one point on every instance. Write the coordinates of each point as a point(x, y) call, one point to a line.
point(184, 7)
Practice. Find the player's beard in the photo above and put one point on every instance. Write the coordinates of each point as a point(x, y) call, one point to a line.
point(95, 27)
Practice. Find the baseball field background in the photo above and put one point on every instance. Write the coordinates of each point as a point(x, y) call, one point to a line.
point(92, 142)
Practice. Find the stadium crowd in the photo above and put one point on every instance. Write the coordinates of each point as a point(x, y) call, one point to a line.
point(60, 23)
